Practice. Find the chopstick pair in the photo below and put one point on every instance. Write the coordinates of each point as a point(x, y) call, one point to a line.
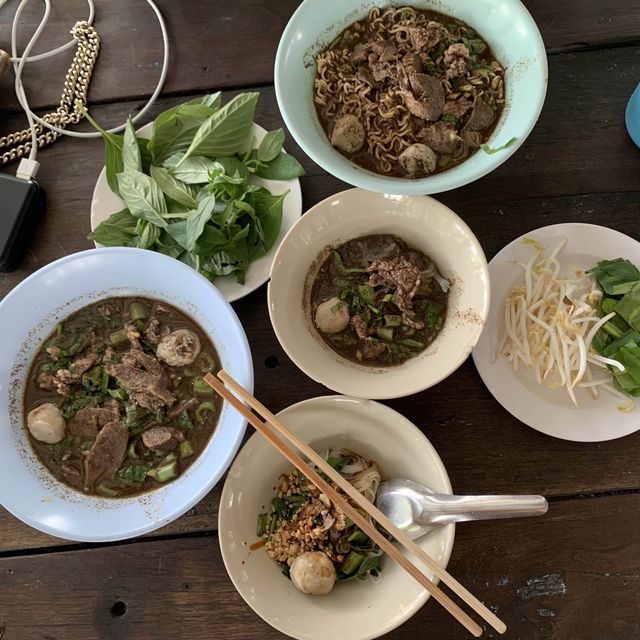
point(359, 499)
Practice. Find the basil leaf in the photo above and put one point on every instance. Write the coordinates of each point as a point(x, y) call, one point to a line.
point(226, 131)
point(487, 149)
point(112, 150)
point(210, 100)
point(172, 188)
point(271, 146)
point(211, 241)
point(173, 130)
point(148, 234)
point(131, 159)
point(197, 221)
point(118, 230)
point(268, 208)
point(232, 166)
point(168, 245)
point(284, 167)
point(193, 170)
point(143, 197)
point(178, 231)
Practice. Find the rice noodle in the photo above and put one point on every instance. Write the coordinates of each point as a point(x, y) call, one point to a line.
point(550, 324)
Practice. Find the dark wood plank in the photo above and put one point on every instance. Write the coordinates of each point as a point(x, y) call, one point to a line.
point(574, 573)
point(223, 44)
point(233, 44)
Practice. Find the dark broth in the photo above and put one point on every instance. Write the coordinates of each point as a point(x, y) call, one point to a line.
point(357, 77)
point(395, 290)
point(113, 390)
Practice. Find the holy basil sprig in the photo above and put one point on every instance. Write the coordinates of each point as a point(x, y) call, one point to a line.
point(189, 190)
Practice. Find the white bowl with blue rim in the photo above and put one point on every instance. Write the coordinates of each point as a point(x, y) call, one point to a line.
point(28, 315)
point(506, 25)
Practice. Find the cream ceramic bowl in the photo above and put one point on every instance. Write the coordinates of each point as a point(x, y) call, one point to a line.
point(353, 610)
point(421, 222)
point(29, 313)
point(505, 24)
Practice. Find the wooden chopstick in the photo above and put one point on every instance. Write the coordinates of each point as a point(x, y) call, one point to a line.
point(342, 503)
point(362, 502)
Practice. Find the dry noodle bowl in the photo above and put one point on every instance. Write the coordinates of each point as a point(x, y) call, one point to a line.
point(389, 125)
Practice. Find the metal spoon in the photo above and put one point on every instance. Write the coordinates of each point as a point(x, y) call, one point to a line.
point(416, 509)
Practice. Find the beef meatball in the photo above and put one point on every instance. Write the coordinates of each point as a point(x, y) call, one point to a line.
point(348, 134)
point(179, 348)
point(46, 423)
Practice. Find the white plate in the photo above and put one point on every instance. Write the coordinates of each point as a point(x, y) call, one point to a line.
point(29, 313)
point(353, 610)
point(423, 223)
point(105, 203)
point(551, 410)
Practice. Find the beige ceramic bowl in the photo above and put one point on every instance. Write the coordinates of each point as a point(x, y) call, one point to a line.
point(421, 222)
point(353, 610)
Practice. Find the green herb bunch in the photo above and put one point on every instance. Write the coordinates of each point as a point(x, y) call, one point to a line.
point(189, 191)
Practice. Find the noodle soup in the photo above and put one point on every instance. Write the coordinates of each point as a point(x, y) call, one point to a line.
point(408, 93)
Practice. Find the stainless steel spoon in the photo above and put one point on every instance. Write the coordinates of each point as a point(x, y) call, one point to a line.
point(416, 509)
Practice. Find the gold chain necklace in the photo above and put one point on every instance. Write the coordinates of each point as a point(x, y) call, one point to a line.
point(75, 89)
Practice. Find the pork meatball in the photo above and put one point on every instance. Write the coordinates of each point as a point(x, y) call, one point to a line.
point(46, 423)
point(312, 572)
point(179, 348)
point(348, 134)
point(418, 159)
point(332, 316)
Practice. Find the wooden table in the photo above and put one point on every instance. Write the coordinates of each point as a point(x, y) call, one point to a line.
point(573, 574)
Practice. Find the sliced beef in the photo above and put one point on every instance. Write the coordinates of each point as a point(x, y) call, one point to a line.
point(64, 378)
point(456, 60)
point(144, 388)
point(152, 332)
point(441, 137)
point(360, 53)
point(182, 405)
point(456, 107)
point(385, 50)
point(88, 421)
point(161, 438)
point(364, 75)
point(425, 38)
point(106, 455)
point(482, 116)
point(412, 63)
point(360, 327)
point(404, 278)
point(423, 94)
point(373, 348)
point(471, 138)
point(141, 375)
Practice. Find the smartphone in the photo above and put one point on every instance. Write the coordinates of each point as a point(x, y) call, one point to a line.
point(22, 202)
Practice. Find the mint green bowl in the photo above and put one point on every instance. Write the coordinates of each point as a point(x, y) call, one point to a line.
point(505, 24)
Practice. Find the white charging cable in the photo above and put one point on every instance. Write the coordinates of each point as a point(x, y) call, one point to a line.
point(28, 167)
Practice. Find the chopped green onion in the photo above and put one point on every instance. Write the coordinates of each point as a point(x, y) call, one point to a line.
point(262, 524)
point(165, 472)
point(385, 333)
point(414, 344)
point(104, 490)
point(201, 388)
point(487, 149)
point(118, 394)
point(204, 407)
point(341, 269)
point(353, 560)
point(137, 311)
point(131, 451)
point(140, 325)
point(170, 457)
point(119, 338)
point(392, 320)
point(186, 449)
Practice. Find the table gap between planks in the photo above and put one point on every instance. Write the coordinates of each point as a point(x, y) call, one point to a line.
point(572, 574)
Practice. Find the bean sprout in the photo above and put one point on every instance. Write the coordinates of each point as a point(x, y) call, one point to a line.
point(550, 323)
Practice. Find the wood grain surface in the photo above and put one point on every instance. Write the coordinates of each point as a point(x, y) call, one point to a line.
point(571, 575)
